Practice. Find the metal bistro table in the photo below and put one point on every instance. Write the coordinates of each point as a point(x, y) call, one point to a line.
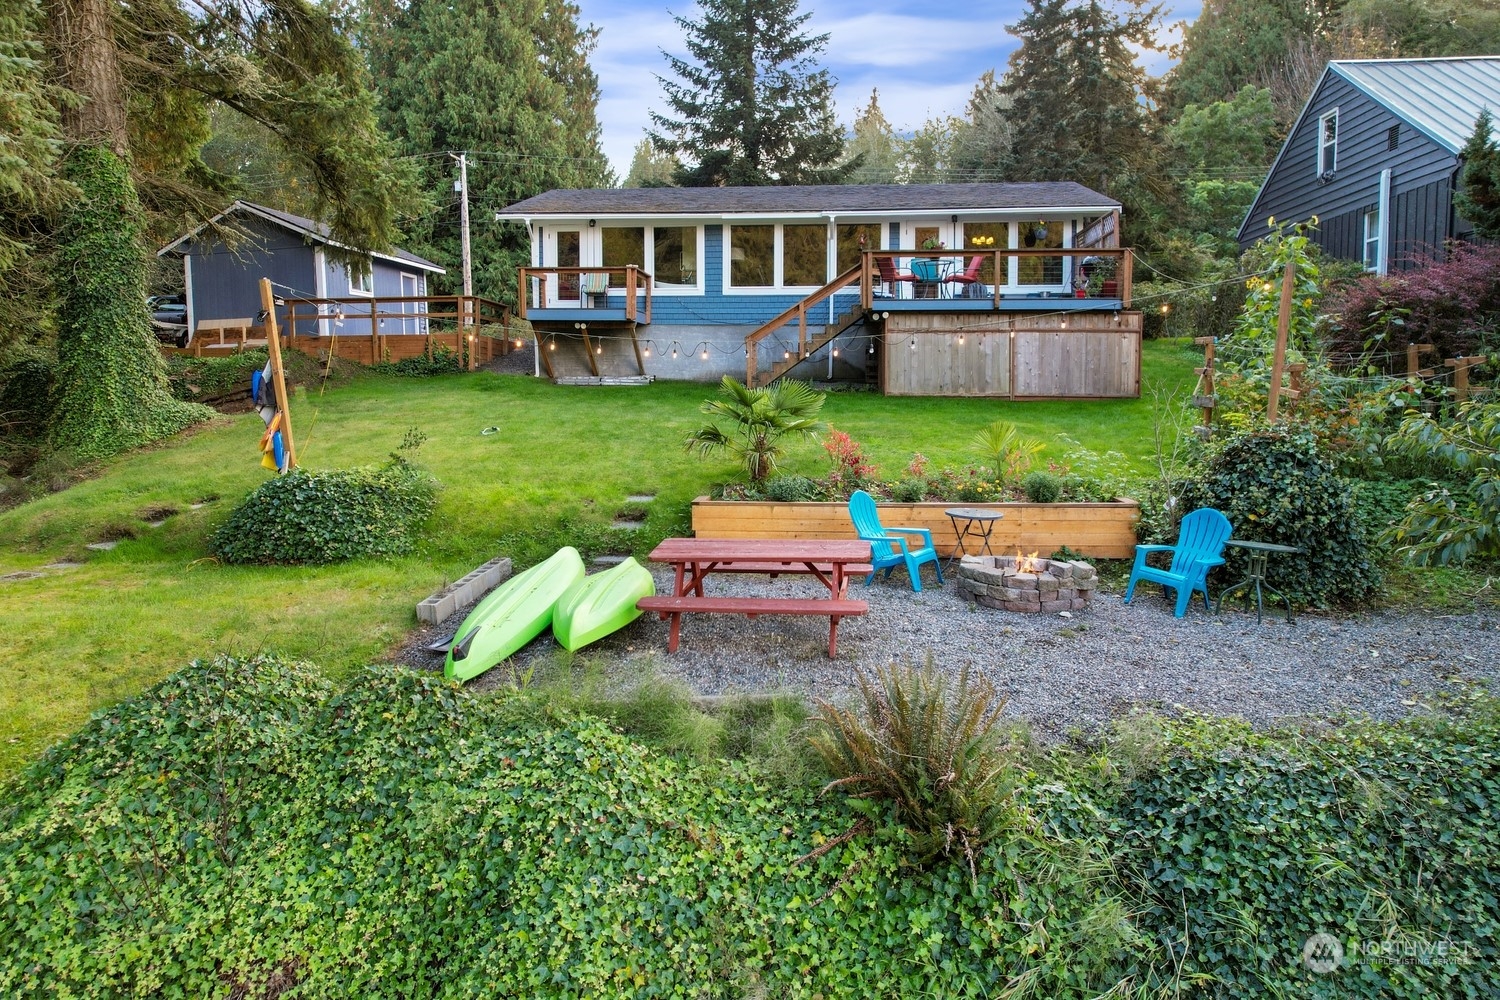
point(978, 523)
point(1256, 556)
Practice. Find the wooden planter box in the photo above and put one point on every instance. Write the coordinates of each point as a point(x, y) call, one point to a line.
point(1099, 530)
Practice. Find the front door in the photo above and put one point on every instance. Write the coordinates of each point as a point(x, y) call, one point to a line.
point(562, 248)
point(411, 287)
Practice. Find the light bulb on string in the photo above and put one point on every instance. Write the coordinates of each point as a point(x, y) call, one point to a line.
point(646, 350)
point(835, 352)
point(871, 348)
point(704, 355)
point(599, 349)
point(960, 340)
point(674, 351)
point(552, 344)
point(785, 355)
point(914, 343)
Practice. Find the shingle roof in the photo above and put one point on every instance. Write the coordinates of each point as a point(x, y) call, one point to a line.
point(308, 227)
point(1440, 97)
point(837, 198)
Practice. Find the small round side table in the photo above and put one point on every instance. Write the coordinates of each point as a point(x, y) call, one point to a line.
point(978, 522)
point(1256, 556)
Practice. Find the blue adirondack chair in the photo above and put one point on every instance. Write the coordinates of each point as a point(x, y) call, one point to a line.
point(888, 551)
point(1199, 548)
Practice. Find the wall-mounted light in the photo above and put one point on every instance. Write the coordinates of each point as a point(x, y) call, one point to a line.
point(591, 223)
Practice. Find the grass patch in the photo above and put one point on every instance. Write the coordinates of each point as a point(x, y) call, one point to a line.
point(557, 473)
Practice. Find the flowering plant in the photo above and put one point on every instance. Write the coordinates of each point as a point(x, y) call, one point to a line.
point(933, 243)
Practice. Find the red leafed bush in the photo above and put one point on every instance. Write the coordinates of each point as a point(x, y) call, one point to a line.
point(1454, 306)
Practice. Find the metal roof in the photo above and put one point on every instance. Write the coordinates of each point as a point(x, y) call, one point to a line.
point(1440, 97)
point(307, 227)
point(841, 199)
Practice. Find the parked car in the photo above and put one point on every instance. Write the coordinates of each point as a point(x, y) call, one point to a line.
point(169, 319)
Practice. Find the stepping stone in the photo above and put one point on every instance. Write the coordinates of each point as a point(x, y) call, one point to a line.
point(62, 565)
point(155, 524)
point(102, 546)
point(22, 575)
point(609, 560)
point(640, 497)
point(625, 525)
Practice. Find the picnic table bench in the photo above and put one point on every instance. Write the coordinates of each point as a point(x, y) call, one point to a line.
point(831, 562)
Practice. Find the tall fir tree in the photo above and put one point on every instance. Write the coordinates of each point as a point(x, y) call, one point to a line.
point(981, 143)
point(749, 105)
point(1076, 94)
point(648, 168)
point(873, 146)
point(1478, 195)
point(1235, 42)
point(508, 83)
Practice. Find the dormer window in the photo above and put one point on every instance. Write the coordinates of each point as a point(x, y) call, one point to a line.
point(1328, 144)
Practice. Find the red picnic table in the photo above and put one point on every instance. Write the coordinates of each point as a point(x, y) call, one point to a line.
point(831, 561)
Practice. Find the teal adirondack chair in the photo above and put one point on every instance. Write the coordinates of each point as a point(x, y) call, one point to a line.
point(1199, 548)
point(887, 551)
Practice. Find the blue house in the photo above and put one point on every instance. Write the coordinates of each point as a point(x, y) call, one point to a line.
point(1005, 290)
point(1375, 156)
point(221, 279)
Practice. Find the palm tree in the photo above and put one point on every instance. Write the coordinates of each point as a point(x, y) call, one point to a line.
point(762, 419)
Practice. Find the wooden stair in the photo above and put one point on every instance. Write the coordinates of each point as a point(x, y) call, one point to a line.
point(831, 330)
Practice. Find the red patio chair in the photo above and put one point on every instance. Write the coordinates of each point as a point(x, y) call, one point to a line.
point(971, 273)
point(889, 275)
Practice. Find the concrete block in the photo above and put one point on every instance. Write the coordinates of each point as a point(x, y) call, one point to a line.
point(1057, 605)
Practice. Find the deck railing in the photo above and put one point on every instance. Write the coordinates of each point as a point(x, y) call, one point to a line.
point(798, 312)
point(438, 319)
point(570, 289)
point(1081, 272)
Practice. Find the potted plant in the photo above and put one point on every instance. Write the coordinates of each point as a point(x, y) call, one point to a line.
point(927, 269)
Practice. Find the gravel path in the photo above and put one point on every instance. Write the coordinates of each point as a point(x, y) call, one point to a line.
point(1060, 673)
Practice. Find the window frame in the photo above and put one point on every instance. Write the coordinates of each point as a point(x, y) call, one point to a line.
point(778, 257)
point(1328, 150)
point(648, 229)
point(1372, 261)
point(355, 274)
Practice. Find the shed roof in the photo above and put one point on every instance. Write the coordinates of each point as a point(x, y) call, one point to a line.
point(842, 199)
point(1441, 98)
point(308, 228)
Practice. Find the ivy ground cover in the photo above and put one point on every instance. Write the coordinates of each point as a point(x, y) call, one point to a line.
point(558, 468)
point(249, 828)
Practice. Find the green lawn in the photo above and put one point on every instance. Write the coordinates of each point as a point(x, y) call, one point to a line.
point(558, 470)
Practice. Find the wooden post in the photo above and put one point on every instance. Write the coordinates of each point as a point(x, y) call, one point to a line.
point(1294, 376)
point(1461, 368)
point(1204, 397)
point(278, 374)
point(1283, 325)
point(588, 349)
point(1414, 369)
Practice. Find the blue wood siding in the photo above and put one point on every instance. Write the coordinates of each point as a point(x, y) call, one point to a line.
point(1421, 178)
point(226, 282)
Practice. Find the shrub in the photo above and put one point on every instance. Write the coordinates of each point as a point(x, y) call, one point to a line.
point(1042, 487)
point(1453, 305)
point(323, 517)
point(790, 489)
point(850, 469)
point(1010, 454)
point(27, 375)
point(908, 490)
point(1446, 525)
point(195, 379)
point(1275, 486)
point(444, 361)
point(931, 751)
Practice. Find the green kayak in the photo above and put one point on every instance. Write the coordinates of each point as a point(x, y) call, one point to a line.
point(515, 613)
point(600, 604)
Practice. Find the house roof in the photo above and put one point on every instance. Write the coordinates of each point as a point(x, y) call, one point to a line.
point(821, 199)
point(308, 228)
point(1441, 98)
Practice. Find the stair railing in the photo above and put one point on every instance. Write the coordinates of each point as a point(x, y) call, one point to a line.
point(858, 273)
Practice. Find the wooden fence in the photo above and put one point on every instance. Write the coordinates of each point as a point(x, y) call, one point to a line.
point(370, 330)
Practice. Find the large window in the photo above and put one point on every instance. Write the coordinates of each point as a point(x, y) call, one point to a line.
point(1039, 270)
point(988, 236)
point(1328, 143)
point(849, 245)
point(624, 245)
point(804, 255)
point(675, 255)
point(752, 256)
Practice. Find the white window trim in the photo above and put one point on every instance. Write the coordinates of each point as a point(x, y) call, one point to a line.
point(777, 258)
point(594, 241)
point(368, 270)
point(1328, 152)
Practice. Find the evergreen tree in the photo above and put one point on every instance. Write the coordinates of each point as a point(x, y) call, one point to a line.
point(874, 146)
point(1076, 94)
point(981, 143)
point(749, 107)
point(1221, 154)
point(927, 155)
point(648, 168)
point(1478, 195)
point(508, 83)
point(1235, 42)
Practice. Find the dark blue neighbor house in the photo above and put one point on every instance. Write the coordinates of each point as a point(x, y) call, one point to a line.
point(221, 281)
point(1374, 156)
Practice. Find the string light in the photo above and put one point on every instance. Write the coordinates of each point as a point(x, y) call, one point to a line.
point(961, 336)
point(552, 344)
point(599, 349)
point(674, 352)
point(871, 348)
point(785, 355)
point(704, 355)
point(914, 343)
point(646, 350)
point(835, 352)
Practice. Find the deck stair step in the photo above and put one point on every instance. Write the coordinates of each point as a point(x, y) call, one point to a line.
point(844, 322)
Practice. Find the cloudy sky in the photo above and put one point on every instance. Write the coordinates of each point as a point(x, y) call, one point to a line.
point(924, 65)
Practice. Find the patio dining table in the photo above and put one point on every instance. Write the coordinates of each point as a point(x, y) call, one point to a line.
point(931, 274)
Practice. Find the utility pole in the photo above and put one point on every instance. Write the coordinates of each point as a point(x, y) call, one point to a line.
point(463, 186)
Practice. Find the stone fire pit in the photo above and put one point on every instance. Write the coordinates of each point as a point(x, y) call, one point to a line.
point(1036, 586)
